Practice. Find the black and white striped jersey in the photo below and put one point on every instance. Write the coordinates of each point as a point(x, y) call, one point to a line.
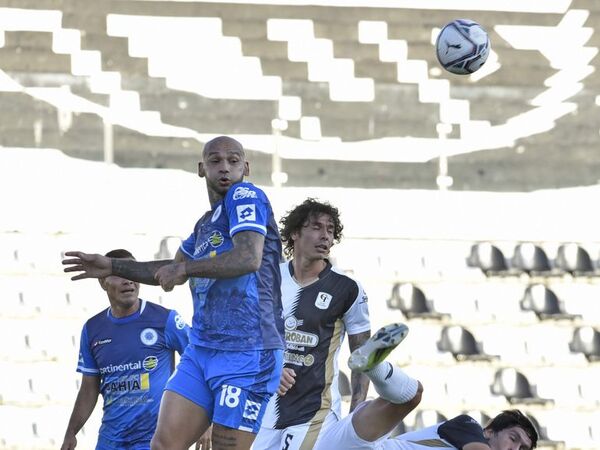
point(316, 318)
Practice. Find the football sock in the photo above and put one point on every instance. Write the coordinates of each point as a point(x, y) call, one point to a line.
point(392, 384)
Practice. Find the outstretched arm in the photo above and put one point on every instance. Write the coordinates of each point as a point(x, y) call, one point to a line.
point(358, 380)
point(83, 408)
point(99, 266)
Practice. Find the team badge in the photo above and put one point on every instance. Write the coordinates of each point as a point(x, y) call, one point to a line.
point(149, 336)
point(323, 300)
point(150, 363)
point(216, 214)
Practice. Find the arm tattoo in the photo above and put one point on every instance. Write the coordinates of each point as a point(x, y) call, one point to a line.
point(358, 380)
point(142, 272)
point(243, 258)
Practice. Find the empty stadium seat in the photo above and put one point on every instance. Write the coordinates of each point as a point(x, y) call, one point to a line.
point(411, 300)
point(514, 386)
point(586, 340)
point(461, 343)
point(427, 417)
point(488, 258)
point(168, 247)
point(574, 259)
point(531, 259)
point(543, 302)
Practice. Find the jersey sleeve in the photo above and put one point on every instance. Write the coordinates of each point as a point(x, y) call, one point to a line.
point(86, 364)
point(176, 332)
point(247, 209)
point(461, 431)
point(356, 318)
point(188, 245)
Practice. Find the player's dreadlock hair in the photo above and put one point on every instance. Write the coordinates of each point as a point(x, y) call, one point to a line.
point(514, 418)
point(298, 217)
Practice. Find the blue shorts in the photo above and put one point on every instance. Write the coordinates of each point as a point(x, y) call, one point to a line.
point(108, 444)
point(233, 387)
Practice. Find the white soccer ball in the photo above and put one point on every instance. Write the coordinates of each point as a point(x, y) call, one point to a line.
point(462, 46)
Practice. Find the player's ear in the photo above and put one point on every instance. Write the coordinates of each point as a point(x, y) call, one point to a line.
point(246, 168)
point(102, 282)
point(201, 172)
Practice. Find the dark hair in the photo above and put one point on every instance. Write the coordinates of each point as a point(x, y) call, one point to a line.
point(514, 418)
point(120, 253)
point(298, 217)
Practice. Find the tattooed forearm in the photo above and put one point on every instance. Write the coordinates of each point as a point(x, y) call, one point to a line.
point(358, 380)
point(243, 258)
point(142, 272)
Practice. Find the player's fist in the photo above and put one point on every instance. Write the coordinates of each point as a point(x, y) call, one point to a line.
point(287, 380)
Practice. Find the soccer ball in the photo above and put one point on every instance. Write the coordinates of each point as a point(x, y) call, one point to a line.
point(462, 46)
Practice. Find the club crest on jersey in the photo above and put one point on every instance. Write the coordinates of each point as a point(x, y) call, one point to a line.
point(246, 213)
point(216, 214)
point(323, 300)
point(149, 336)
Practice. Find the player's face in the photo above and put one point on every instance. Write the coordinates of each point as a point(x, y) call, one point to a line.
point(121, 291)
point(513, 438)
point(315, 238)
point(222, 166)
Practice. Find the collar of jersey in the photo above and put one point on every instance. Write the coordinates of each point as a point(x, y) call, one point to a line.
point(129, 318)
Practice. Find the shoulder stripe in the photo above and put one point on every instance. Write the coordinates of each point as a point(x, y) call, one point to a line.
point(437, 443)
point(248, 225)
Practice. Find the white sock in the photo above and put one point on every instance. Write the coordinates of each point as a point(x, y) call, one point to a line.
point(392, 384)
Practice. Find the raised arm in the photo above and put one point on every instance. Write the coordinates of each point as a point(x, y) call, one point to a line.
point(82, 410)
point(358, 380)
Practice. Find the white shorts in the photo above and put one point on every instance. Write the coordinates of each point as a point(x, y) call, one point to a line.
point(341, 435)
point(297, 437)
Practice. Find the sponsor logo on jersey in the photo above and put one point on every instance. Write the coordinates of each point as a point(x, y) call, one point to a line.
point(112, 368)
point(243, 192)
point(149, 336)
point(246, 213)
point(130, 384)
point(216, 214)
point(298, 360)
point(150, 363)
point(291, 323)
point(251, 410)
point(179, 322)
point(364, 299)
point(102, 342)
point(323, 300)
point(301, 338)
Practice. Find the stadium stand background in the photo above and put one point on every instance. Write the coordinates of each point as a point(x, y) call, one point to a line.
point(497, 276)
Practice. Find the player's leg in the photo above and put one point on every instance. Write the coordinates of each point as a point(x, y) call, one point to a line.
point(186, 406)
point(181, 422)
point(398, 393)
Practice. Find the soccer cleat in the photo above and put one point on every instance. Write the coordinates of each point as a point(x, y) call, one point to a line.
point(377, 347)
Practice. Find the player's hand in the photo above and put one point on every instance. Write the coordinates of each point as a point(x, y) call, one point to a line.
point(171, 275)
point(287, 380)
point(91, 265)
point(69, 443)
point(205, 442)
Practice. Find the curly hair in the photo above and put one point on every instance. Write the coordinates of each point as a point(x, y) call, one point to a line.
point(299, 216)
point(514, 418)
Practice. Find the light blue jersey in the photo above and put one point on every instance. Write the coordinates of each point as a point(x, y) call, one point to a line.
point(134, 357)
point(241, 313)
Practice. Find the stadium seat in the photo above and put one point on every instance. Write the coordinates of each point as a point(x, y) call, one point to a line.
point(586, 340)
point(481, 417)
point(574, 259)
point(461, 343)
point(531, 259)
point(411, 300)
point(427, 417)
point(168, 247)
point(488, 258)
point(543, 302)
point(514, 386)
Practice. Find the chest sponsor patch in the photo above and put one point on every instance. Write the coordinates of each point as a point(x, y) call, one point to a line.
point(323, 300)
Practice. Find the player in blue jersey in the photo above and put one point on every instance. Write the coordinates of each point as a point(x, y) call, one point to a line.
point(231, 259)
point(126, 354)
point(369, 426)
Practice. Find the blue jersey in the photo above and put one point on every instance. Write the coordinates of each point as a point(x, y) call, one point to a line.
point(134, 357)
point(241, 313)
